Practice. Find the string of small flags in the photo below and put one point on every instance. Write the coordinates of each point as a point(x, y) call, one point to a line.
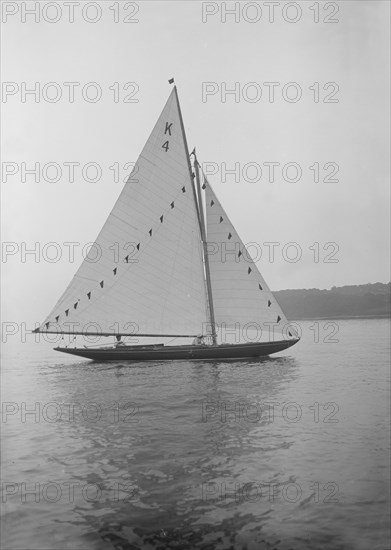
point(240, 253)
point(126, 259)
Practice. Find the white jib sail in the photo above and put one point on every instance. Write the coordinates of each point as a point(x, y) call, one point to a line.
point(156, 285)
point(244, 307)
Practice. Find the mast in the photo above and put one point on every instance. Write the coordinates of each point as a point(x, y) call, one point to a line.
point(201, 221)
point(205, 247)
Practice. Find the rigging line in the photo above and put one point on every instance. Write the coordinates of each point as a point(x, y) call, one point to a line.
point(99, 345)
point(122, 272)
point(76, 276)
point(124, 221)
point(171, 340)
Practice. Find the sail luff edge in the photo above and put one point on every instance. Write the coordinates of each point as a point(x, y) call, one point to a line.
point(187, 155)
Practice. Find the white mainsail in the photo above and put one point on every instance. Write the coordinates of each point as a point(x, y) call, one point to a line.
point(244, 307)
point(156, 285)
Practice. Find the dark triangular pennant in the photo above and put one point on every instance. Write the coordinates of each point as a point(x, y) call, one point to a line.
point(239, 253)
point(101, 284)
point(269, 303)
point(221, 219)
point(229, 235)
point(75, 305)
point(290, 334)
point(115, 271)
point(260, 288)
point(161, 219)
point(278, 319)
point(47, 325)
point(183, 189)
point(249, 270)
point(66, 312)
point(127, 259)
point(138, 246)
point(150, 232)
point(89, 295)
point(57, 318)
point(212, 202)
point(172, 204)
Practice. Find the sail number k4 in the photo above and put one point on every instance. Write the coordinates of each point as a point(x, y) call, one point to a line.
point(167, 130)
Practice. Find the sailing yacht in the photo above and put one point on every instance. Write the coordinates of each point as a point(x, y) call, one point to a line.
point(184, 272)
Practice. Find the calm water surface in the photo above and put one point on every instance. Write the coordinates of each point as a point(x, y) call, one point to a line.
point(289, 452)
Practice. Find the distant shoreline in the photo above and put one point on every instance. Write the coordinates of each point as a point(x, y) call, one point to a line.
point(368, 301)
point(344, 317)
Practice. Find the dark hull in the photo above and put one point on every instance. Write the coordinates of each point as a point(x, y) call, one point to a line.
point(170, 353)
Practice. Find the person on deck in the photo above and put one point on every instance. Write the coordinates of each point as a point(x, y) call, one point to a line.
point(198, 340)
point(119, 341)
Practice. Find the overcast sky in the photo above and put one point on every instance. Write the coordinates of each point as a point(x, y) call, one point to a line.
point(350, 131)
